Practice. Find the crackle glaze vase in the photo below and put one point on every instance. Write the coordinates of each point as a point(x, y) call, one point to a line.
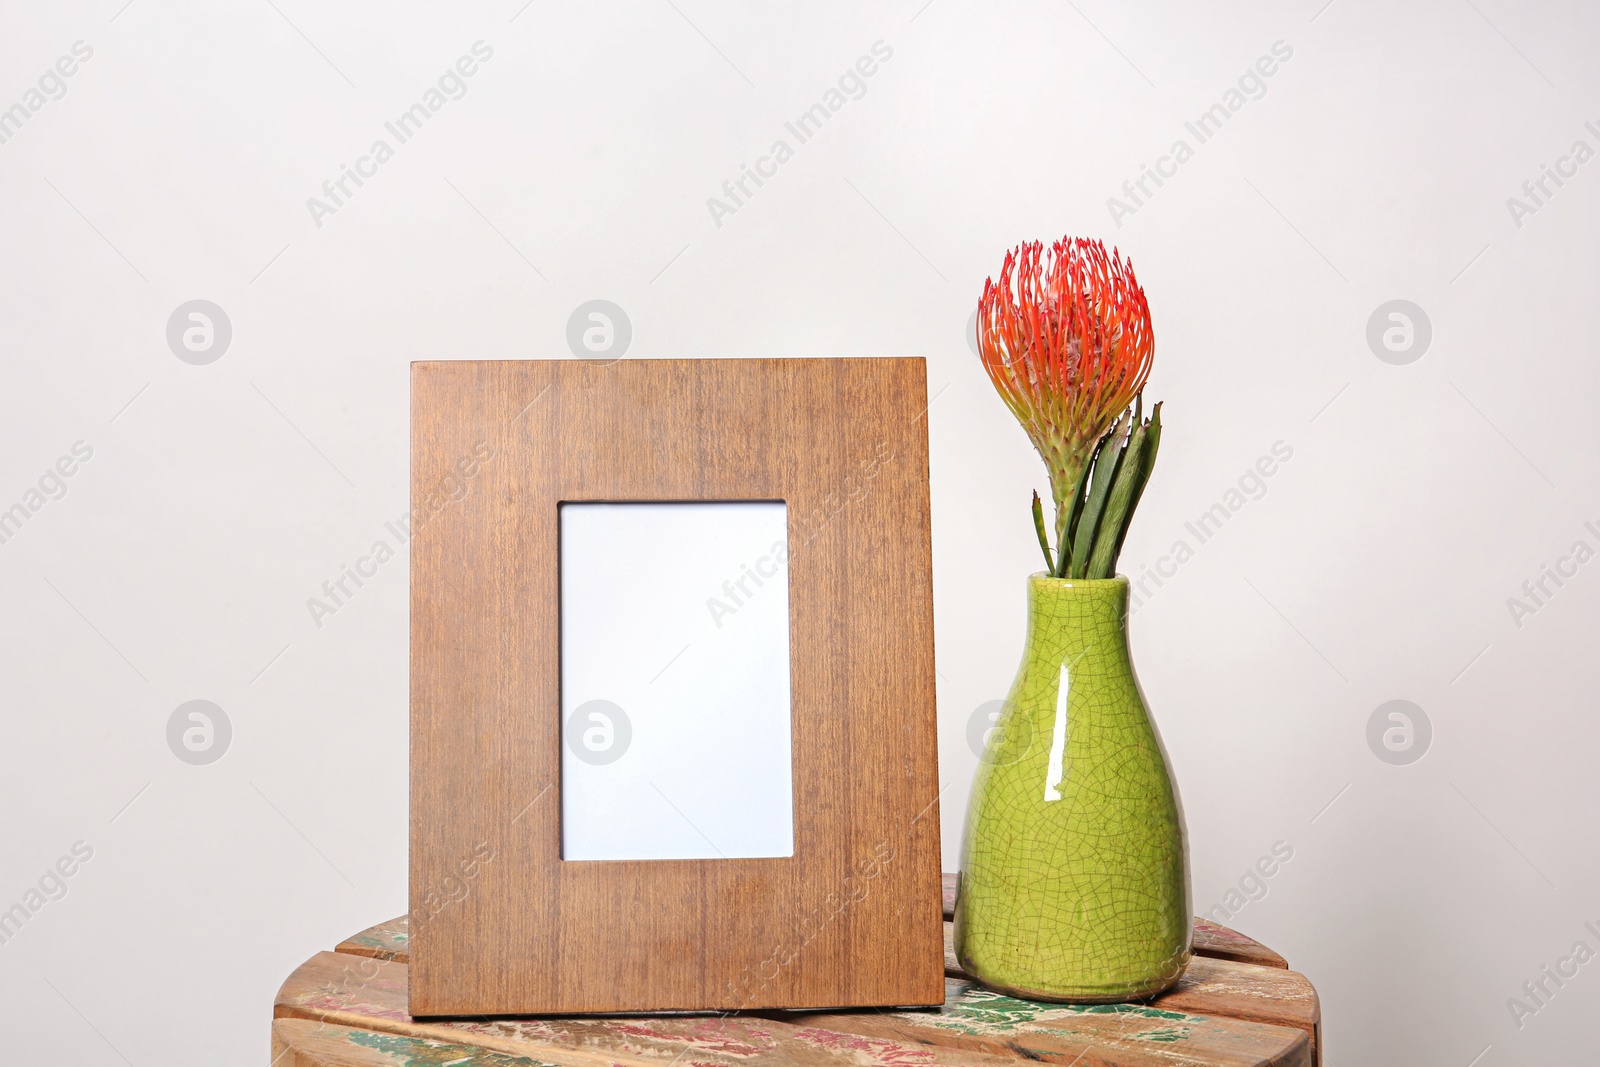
point(1074, 880)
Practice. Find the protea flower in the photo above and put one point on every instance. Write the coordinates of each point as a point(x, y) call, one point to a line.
point(1065, 336)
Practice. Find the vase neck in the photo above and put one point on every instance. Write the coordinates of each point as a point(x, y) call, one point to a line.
point(1074, 615)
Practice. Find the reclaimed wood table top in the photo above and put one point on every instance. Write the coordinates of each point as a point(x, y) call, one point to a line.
point(1237, 1005)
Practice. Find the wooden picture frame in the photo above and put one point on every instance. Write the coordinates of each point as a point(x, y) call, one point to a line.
point(501, 924)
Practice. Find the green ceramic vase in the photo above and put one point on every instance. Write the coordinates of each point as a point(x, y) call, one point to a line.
point(1074, 878)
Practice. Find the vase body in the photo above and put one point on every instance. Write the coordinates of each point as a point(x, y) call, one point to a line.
point(1074, 880)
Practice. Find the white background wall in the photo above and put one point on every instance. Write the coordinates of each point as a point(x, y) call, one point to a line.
point(1377, 565)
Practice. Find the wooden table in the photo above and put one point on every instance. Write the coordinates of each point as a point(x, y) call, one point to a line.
point(1238, 1004)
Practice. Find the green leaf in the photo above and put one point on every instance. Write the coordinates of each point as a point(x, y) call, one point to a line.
point(1038, 526)
point(1104, 555)
point(1075, 509)
point(1105, 472)
point(1152, 442)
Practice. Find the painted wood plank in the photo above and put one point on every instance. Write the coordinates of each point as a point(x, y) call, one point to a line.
point(1212, 986)
point(303, 1043)
point(1216, 987)
point(1245, 991)
point(1108, 1035)
point(974, 1027)
point(387, 941)
point(335, 991)
point(1223, 943)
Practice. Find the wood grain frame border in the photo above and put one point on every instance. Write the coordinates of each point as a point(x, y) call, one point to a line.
point(500, 923)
